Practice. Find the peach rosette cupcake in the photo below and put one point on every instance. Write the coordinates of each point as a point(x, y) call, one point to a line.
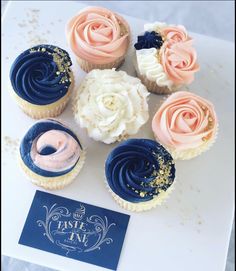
point(165, 58)
point(99, 38)
point(186, 124)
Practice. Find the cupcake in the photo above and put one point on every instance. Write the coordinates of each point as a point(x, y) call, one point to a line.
point(165, 58)
point(99, 38)
point(186, 124)
point(51, 155)
point(42, 81)
point(111, 105)
point(140, 174)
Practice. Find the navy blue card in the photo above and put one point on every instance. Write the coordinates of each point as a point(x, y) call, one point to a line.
point(75, 230)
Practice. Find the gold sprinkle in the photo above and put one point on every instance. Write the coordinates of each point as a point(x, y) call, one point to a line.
point(204, 139)
point(142, 194)
point(210, 119)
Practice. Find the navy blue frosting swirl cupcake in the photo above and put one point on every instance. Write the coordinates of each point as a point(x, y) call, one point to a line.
point(42, 80)
point(51, 155)
point(140, 174)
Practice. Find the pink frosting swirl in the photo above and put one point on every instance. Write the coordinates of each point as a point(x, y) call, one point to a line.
point(179, 62)
point(184, 121)
point(66, 155)
point(98, 35)
point(175, 34)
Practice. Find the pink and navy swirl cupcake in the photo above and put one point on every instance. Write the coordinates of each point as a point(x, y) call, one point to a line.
point(51, 155)
point(165, 58)
point(99, 38)
point(42, 81)
point(140, 174)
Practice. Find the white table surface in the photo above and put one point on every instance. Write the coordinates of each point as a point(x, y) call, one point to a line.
point(207, 93)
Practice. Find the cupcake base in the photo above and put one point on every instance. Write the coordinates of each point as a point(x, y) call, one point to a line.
point(153, 87)
point(190, 153)
point(53, 183)
point(88, 66)
point(43, 111)
point(142, 206)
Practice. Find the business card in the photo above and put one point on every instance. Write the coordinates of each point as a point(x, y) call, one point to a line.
point(75, 230)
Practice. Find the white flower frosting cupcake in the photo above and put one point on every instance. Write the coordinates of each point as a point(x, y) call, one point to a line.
point(186, 124)
point(164, 58)
point(111, 105)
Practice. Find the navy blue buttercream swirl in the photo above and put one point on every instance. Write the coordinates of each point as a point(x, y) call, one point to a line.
point(149, 40)
point(31, 136)
point(139, 169)
point(41, 75)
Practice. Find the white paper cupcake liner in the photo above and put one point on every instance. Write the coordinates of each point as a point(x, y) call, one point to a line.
point(191, 153)
point(53, 183)
point(142, 206)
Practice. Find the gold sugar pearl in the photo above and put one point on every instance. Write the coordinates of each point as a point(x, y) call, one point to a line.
point(43, 49)
point(204, 139)
point(57, 72)
point(122, 34)
point(142, 194)
point(210, 119)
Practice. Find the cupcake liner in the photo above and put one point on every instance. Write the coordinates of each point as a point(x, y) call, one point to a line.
point(44, 111)
point(153, 87)
point(141, 206)
point(88, 66)
point(190, 153)
point(53, 183)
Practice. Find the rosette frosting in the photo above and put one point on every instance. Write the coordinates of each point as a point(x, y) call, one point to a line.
point(137, 170)
point(185, 121)
point(149, 40)
point(41, 75)
point(174, 52)
point(98, 35)
point(111, 105)
point(50, 149)
point(179, 62)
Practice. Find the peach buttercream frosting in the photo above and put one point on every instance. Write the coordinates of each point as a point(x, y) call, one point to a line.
point(174, 34)
point(185, 121)
point(179, 61)
point(98, 35)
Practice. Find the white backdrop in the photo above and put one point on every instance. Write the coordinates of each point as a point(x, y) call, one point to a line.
point(212, 18)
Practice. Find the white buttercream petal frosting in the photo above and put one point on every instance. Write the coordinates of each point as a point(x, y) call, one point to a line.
point(154, 26)
point(111, 105)
point(149, 66)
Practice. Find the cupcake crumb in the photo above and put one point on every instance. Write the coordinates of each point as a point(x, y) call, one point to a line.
point(10, 144)
point(22, 25)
